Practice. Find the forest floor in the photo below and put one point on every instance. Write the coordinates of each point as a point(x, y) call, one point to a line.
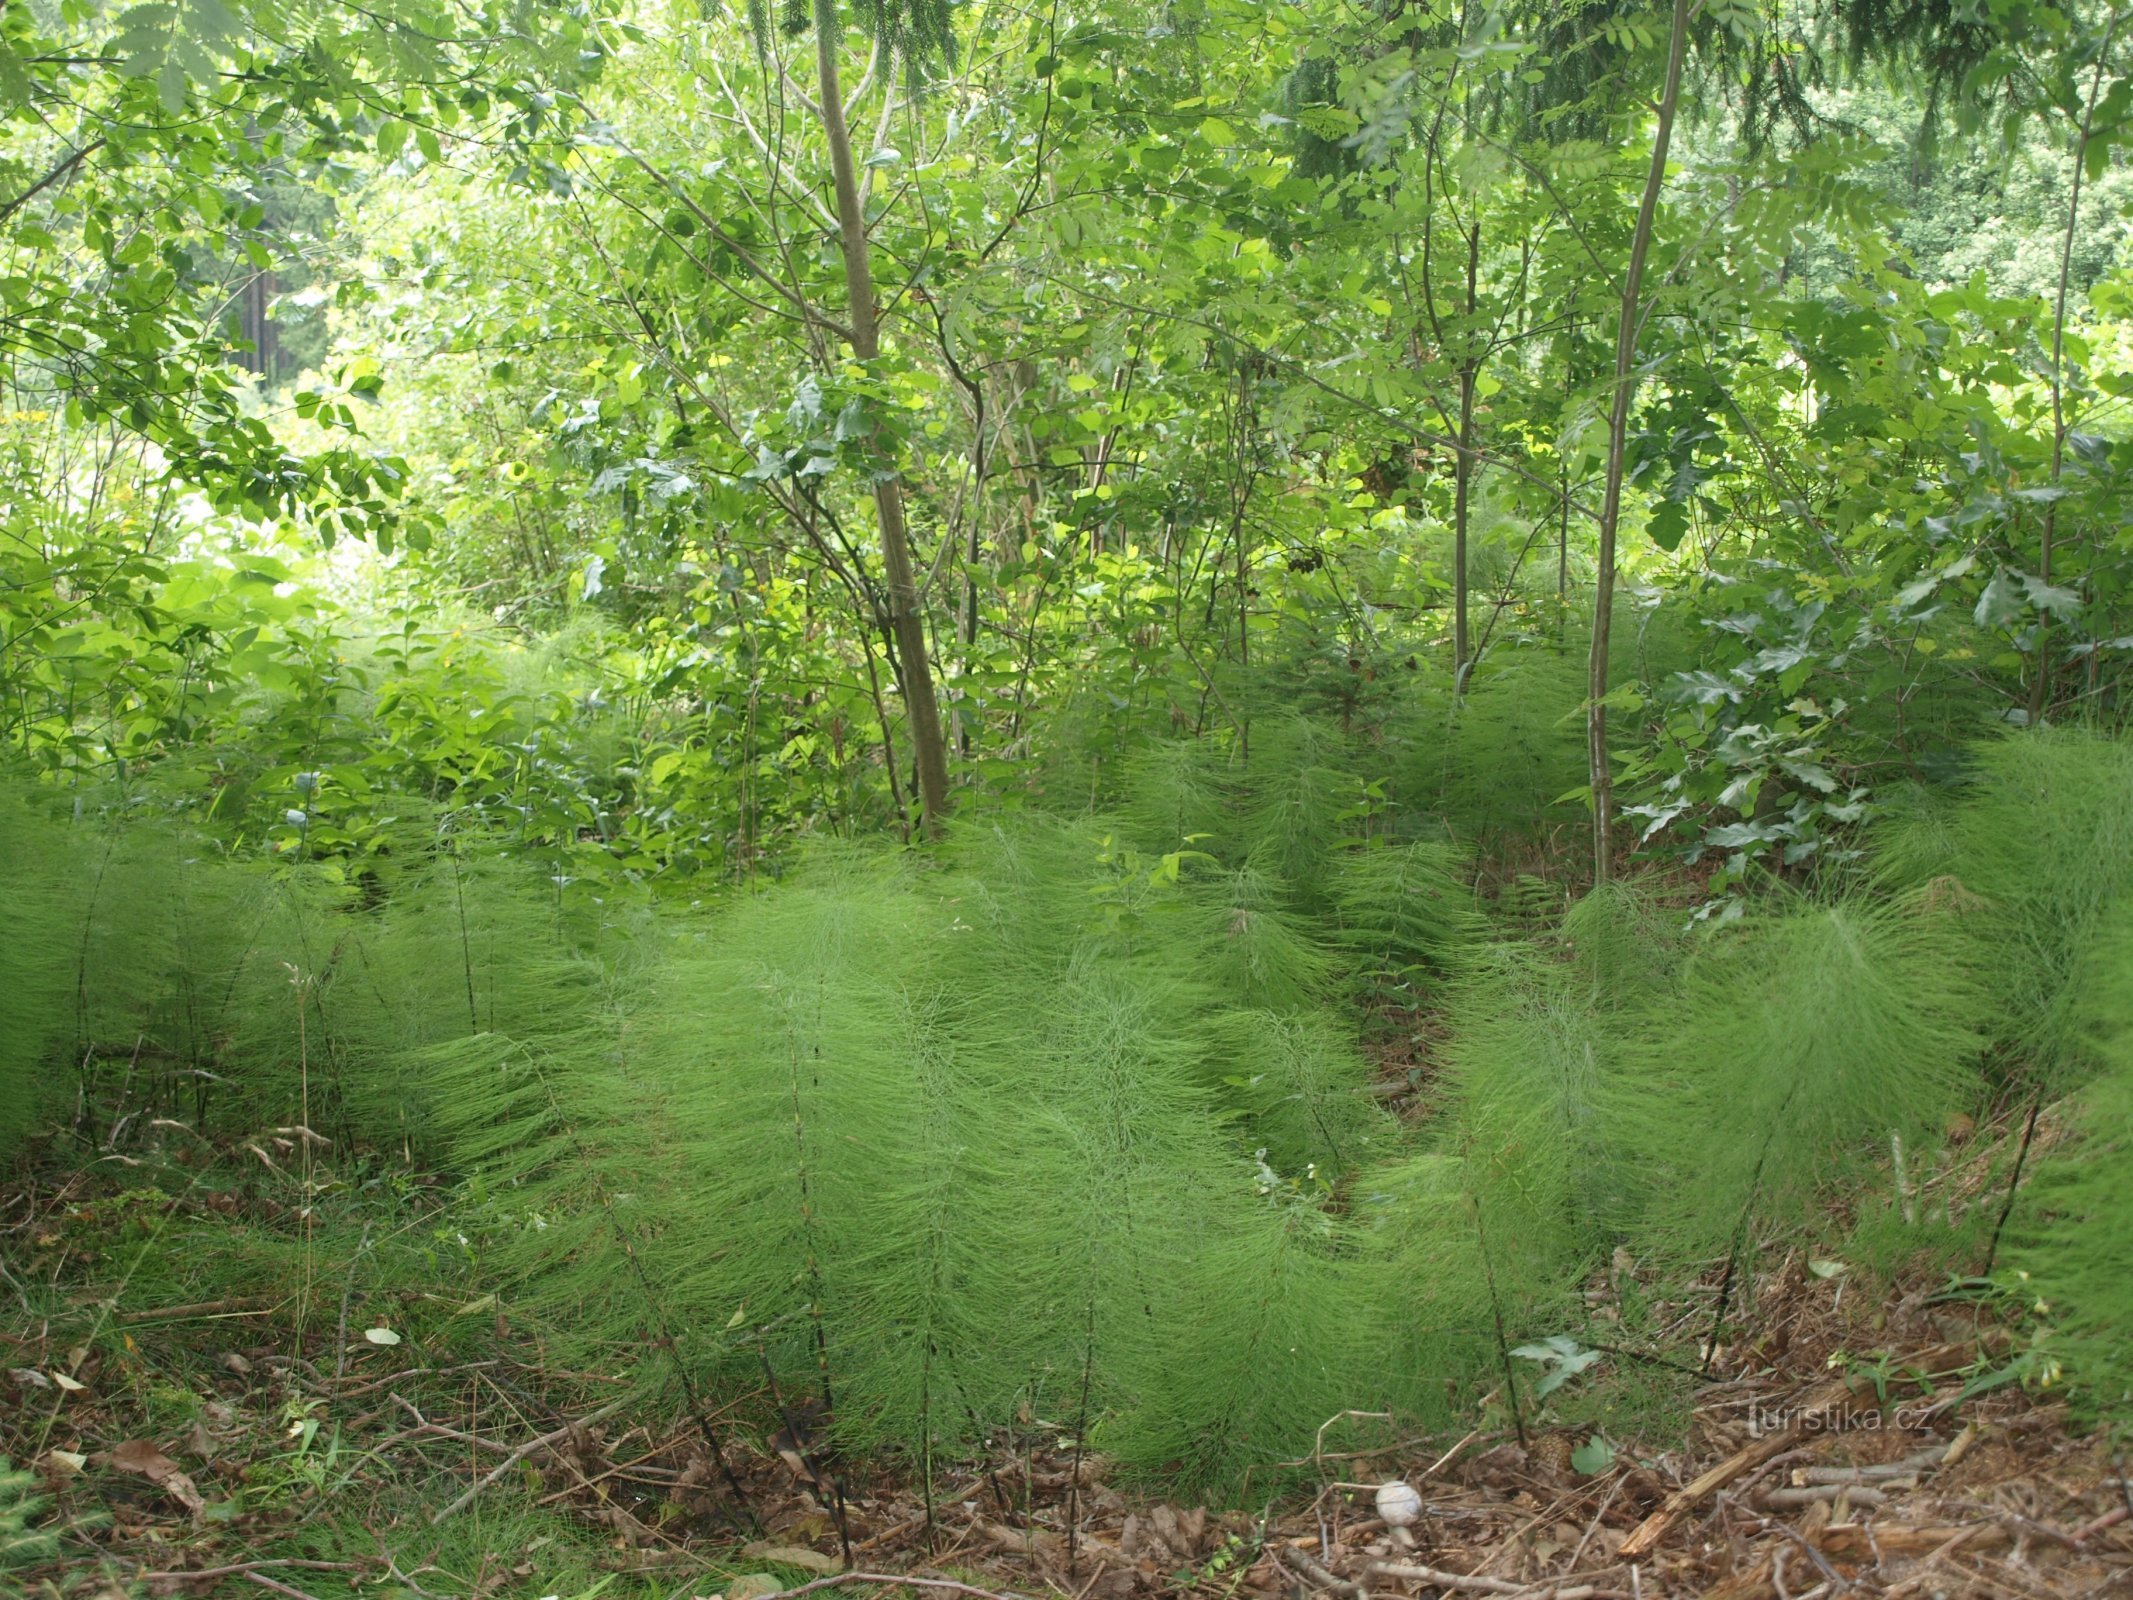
point(230, 1375)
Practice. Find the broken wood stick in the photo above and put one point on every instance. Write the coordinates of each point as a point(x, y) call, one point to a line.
point(520, 1454)
point(2110, 1519)
point(1853, 1541)
point(1858, 1494)
point(896, 1580)
point(1478, 1583)
point(1821, 1406)
point(1909, 1467)
point(1299, 1565)
point(1474, 1583)
point(240, 1568)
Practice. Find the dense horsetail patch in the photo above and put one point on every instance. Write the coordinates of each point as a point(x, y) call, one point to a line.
point(1041, 1124)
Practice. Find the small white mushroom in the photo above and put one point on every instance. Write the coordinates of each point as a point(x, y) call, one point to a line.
point(1400, 1504)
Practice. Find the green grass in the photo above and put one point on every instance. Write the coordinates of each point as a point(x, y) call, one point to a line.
point(198, 1298)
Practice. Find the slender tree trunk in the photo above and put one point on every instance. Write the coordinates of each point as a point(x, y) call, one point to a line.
point(907, 622)
point(1463, 477)
point(968, 623)
point(1603, 599)
point(1562, 551)
point(2040, 684)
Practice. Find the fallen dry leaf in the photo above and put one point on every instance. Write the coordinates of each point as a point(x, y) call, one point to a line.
point(141, 1457)
point(792, 1555)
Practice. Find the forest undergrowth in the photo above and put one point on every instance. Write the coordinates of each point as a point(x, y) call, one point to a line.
point(1145, 1143)
point(988, 797)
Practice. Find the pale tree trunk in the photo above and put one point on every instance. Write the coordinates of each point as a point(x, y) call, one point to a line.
point(1463, 477)
point(1603, 599)
point(907, 620)
point(2040, 685)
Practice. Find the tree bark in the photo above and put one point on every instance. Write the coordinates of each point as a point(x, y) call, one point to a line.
point(1603, 599)
point(906, 619)
point(2040, 685)
point(1463, 474)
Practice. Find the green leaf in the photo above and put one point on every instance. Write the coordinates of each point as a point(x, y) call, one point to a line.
point(2050, 597)
point(1669, 524)
point(15, 84)
point(2001, 602)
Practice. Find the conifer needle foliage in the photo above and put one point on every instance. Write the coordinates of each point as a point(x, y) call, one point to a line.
point(1501, 760)
point(2073, 1238)
point(1789, 1040)
point(1530, 1060)
point(2033, 853)
point(1175, 798)
point(35, 974)
point(1258, 952)
point(1402, 909)
point(20, 1542)
point(2073, 1245)
point(1451, 1282)
point(924, 1149)
point(1068, 1118)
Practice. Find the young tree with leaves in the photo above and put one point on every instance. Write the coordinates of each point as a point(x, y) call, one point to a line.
point(910, 36)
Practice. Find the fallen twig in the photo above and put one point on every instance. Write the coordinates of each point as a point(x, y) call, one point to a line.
point(356, 1390)
point(242, 1306)
point(1927, 1574)
point(1302, 1566)
point(1858, 1494)
point(519, 1455)
point(1848, 1541)
point(1909, 1467)
point(241, 1568)
point(424, 1427)
point(1475, 1583)
point(1442, 1461)
point(1815, 1411)
point(876, 1541)
point(2015, 1522)
point(619, 1470)
point(2110, 1519)
point(1444, 1580)
point(893, 1580)
point(1828, 1572)
point(1593, 1526)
